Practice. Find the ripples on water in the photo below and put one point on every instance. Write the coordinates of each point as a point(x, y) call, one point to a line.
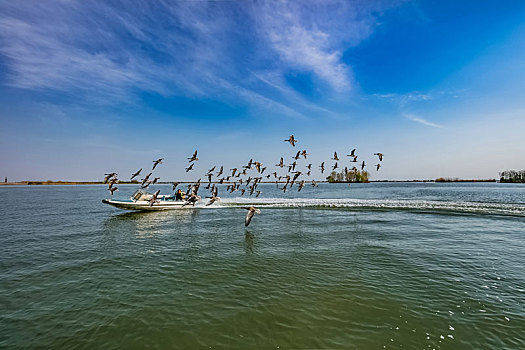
point(370, 266)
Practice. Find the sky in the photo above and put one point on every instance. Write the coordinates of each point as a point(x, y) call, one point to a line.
point(90, 87)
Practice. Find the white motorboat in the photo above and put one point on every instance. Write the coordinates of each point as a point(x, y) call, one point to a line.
point(142, 200)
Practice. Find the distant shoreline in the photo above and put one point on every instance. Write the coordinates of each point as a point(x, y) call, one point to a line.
point(48, 183)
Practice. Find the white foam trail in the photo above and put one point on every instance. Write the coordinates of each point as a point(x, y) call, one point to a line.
point(376, 204)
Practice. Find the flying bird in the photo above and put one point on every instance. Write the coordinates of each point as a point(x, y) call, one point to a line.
point(304, 154)
point(214, 196)
point(380, 155)
point(352, 154)
point(144, 180)
point(175, 184)
point(190, 167)
point(112, 189)
point(251, 212)
point(281, 163)
point(292, 140)
point(212, 200)
point(135, 174)
point(335, 156)
point(157, 162)
point(153, 198)
point(363, 165)
point(109, 176)
point(192, 200)
point(378, 166)
point(193, 157)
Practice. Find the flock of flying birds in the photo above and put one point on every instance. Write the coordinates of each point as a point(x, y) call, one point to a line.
point(246, 178)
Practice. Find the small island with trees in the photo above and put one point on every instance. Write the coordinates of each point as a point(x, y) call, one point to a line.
point(512, 176)
point(349, 176)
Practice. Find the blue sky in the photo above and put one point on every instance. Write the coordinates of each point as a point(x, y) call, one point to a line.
point(88, 87)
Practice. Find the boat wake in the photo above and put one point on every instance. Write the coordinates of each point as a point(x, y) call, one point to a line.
point(379, 204)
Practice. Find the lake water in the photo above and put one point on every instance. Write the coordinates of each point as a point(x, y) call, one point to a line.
point(366, 266)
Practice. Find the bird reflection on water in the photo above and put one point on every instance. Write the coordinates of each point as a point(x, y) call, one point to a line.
point(249, 240)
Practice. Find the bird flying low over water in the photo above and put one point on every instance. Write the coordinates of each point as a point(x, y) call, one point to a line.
point(192, 200)
point(251, 212)
point(146, 178)
point(135, 174)
point(212, 200)
point(193, 157)
point(112, 189)
point(380, 155)
point(153, 198)
point(175, 184)
point(322, 167)
point(214, 196)
point(292, 140)
point(157, 162)
point(109, 176)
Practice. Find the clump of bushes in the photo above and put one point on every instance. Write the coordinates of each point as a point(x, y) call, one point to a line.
point(349, 176)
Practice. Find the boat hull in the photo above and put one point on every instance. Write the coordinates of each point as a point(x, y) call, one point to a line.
point(145, 205)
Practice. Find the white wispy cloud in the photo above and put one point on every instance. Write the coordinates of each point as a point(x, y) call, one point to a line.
point(423, 121)
point(108, 53)
point(309, 38)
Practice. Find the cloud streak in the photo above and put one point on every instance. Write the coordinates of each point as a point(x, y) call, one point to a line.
point(423, 121)
point(308, 37)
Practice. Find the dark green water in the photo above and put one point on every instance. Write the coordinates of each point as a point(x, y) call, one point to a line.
point(370, 266)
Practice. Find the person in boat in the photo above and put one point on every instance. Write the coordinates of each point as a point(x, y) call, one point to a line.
point(179, 195)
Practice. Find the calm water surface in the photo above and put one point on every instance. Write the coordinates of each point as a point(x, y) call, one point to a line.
point(371, 266)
